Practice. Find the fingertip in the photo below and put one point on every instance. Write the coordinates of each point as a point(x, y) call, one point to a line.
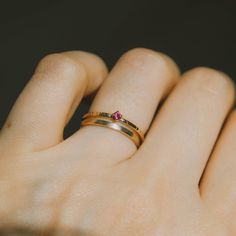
point(95, 66)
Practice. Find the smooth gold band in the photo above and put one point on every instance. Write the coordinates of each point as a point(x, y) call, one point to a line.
point(109, 115)
point(121, 125)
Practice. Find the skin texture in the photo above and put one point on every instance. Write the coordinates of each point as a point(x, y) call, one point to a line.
point(181, 181)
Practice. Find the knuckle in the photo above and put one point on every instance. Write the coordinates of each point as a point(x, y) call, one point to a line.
point(213, 81)
point(143, 57)
point(59, 63)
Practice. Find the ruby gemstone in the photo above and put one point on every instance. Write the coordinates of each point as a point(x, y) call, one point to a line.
point(116, 115)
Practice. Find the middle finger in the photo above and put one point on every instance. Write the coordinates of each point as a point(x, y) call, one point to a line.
point(183, 134)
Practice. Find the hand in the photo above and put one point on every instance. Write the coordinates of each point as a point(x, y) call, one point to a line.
point(96, 182)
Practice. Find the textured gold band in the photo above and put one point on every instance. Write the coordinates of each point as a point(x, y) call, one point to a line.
point(121, 125)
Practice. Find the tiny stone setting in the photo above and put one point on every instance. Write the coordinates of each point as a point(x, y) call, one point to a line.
point(116, 115)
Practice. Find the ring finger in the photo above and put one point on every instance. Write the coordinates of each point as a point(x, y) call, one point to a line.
point(135, 86)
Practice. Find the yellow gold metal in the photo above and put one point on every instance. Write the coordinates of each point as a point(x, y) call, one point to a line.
point(122, 125)
point(109, 115)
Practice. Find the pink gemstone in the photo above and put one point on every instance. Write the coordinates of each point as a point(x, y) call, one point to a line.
point(116, 115)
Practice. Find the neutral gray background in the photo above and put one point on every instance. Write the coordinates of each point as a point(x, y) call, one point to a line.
point(194, 33)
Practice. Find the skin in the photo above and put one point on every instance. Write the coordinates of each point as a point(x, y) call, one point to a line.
point(180, 181)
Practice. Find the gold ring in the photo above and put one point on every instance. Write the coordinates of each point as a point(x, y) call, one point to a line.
point(116, 122)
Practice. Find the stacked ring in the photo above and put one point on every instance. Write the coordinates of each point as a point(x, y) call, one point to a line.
point(116, 122)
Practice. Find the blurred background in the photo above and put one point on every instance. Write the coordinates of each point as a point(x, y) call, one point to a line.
point(193, 33)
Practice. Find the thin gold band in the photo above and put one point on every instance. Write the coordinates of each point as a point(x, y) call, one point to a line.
point(113, 125)
point(109, 115)
point(106, 120)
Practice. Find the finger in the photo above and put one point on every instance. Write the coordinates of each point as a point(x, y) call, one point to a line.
point(135, 86)
point(40, 113)
point(218, 185)
point(184, 132)
point(96, 72)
